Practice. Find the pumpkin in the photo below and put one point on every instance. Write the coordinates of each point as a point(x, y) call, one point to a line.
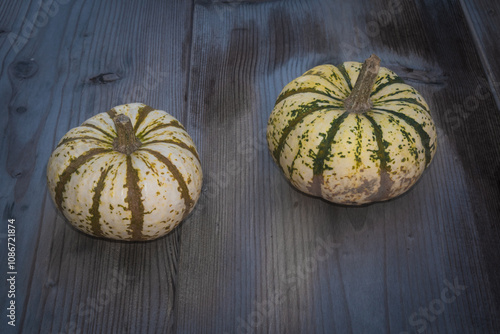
point(131, 173)
point(351, 134)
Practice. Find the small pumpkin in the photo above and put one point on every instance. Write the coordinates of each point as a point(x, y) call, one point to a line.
point(131, 173)
point(351, 134)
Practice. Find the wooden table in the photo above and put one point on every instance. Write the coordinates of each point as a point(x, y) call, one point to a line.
point(255, 256)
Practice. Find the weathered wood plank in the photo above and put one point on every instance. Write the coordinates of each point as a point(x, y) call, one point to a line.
point(482, 18)
point(77, 59)
point(467, 106)
point(257, 256)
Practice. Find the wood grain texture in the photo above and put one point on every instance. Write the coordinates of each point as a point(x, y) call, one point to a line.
point(257, 238)
point(255, 255)
point(70, 283)
point(482, 18)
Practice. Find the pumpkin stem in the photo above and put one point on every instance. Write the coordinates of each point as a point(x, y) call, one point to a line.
point(125, 142)
point(359, 100)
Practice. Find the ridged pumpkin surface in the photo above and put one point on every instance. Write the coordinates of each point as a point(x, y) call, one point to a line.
point(350, 157)
point(138, 196)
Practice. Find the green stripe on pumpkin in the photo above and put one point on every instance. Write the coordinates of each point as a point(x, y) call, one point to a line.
point(325, 147)
point(141, 116)
point(407, 100)
point(134, 200)
point(177, 143)
point(286, 94)
point(71, 168)
point(299, 114)
point(381, 154)
point(346, 76)
point(424, 136)
point(160, 126)
point(95, 215)
point(337, 84)
point(107, 134)
point(393, 93)
point(183, 188)
point(384, 169)
point(305, 134)
point(390, 81)
point(359, 142)
point(71, 139)
point(317, 72)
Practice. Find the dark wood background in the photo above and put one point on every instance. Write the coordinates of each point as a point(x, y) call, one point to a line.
point(255, 256)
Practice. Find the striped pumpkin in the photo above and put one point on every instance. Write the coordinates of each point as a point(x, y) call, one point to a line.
point(131, 173)
point(351, 134)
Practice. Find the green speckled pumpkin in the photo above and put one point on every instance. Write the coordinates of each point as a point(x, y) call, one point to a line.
point(351, 134)
point(131, 173)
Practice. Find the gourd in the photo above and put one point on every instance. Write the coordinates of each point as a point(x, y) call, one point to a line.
point(351, 134)
point(131, 173)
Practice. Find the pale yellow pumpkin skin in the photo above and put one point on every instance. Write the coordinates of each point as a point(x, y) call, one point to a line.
point(346, 157)
point(138, 196)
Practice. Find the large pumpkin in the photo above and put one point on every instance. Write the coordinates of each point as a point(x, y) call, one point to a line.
point(351, 134)
point(131, 173)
